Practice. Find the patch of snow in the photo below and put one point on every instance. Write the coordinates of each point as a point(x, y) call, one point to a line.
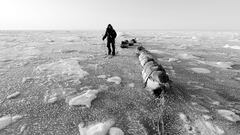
point(68, 69)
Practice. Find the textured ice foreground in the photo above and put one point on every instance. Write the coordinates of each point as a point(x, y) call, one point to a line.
point(69, 67)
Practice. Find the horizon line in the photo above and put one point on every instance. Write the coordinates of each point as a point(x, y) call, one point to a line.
point(120, 29)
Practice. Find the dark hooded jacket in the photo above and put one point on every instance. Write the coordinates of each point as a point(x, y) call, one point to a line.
point(110, 34)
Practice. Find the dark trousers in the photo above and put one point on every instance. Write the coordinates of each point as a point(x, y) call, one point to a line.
point(109, 43)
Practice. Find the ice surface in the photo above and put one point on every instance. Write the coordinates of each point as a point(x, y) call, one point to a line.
point(63, 58)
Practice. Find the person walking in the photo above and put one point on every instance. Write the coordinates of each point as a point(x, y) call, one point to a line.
point(110, 34)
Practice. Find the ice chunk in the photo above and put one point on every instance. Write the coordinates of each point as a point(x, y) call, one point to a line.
point(172, 59)
point(234, 40)
point(102, 76)
point(214, 128)
point(186, 56)
point(201, 70)
point(115, 131)
point(14, 95)
point(115, 79)
point(84, 99)
point(131, 85)
point(96, 129)
point(207, 117)
point(232, 46)
point(7, 120)
point(157, 51)
point(194, 38)
point(224, 65)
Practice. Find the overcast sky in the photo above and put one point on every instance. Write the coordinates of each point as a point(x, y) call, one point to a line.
point(122, 14)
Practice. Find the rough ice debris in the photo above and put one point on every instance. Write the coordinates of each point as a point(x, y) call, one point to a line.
point(84, 99)
point(229, 115)
point(96, 129)
point(201, 70)
point(14, 95)
point(115, 131)
point(7, 120)
point(115, 79)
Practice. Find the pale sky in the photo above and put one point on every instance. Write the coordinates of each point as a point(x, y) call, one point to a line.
point(122, 14)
